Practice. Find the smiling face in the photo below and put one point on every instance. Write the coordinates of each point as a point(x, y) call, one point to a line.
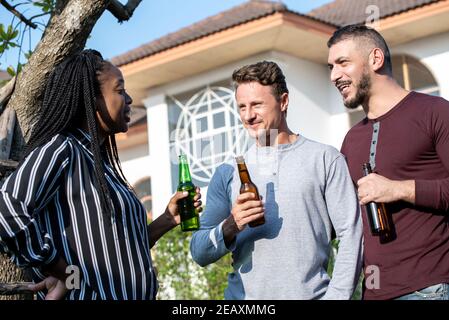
point(349, 72)
point(113, 104)
point(259, 109)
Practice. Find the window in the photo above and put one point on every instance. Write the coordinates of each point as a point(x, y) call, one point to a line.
point(411, 74)
point(205, 125)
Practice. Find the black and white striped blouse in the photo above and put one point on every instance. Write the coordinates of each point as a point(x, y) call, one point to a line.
point(49, 207)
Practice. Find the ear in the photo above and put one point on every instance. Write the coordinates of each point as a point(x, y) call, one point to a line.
point(284, 102)
point(376, 59)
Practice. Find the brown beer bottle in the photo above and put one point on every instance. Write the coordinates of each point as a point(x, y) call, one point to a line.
point(380, 221)
point(248, 186)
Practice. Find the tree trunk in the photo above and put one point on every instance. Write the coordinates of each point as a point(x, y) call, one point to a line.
point(9, 273)
point(66, 33)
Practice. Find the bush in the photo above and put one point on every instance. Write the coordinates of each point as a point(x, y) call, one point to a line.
point(180, 277)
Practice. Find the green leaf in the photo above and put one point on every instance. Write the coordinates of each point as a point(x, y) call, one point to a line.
point(14, 34)
point(11, 71)
point(28, 54)
point(2, 32)
point(46, 5)
point(13, 45)
point(180, 277)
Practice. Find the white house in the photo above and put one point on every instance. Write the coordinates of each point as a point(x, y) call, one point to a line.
point(183, 98)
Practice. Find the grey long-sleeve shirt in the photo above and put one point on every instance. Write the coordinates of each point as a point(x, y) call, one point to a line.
point(307, 189)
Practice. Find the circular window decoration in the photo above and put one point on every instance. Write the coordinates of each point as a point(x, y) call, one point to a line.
point(209, 130)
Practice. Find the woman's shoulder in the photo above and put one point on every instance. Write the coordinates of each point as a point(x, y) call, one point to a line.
point(63, 143)
point(54, 148)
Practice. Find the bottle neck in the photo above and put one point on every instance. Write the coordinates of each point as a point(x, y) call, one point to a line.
point(184, 172)
point(243, 173)
point(367, 169)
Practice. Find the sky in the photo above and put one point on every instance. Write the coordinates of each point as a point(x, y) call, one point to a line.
point(151, 20)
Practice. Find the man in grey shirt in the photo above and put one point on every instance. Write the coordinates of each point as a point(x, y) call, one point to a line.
point(306, 190)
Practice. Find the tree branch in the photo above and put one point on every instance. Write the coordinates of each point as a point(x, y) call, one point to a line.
point(40, 15)
point(18, 14)
point(123, 12)
point(7, 125)
point(15, 288)
point(6, 92)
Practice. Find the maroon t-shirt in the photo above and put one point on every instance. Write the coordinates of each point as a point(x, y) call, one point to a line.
point(412, 144)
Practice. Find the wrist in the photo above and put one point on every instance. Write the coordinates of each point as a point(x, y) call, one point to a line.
point(406, 190)
point(169, 219)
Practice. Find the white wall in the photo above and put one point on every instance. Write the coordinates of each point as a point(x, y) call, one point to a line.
point(310, 112)
point(136, 169)
point(133, 152)
point(311, 107)
point(433, 52)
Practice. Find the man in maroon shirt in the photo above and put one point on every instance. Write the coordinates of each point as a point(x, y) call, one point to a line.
point(405, 137)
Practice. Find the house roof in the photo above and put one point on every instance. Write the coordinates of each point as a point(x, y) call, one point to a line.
point(344, 12)
point(248, 11)
point(336, 13)
point(4, 75)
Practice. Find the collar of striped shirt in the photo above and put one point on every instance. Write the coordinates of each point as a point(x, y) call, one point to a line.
point(82, 136)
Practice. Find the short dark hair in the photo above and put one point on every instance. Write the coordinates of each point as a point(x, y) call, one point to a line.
point(266, 73)
point(357, 31)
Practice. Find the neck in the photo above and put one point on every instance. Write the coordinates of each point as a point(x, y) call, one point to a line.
point(283, 135)
point(101, 134)
point(385, 94)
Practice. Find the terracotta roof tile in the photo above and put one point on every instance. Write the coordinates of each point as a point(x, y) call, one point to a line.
point(246, 12)
point(336, 13)
point(344, 12)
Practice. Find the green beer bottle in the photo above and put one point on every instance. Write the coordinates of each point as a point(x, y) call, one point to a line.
point(189, 217)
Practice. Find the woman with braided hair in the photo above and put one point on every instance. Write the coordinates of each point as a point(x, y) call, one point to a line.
point(69, 204)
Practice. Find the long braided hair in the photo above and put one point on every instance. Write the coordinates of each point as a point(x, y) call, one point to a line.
point(69, 100)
